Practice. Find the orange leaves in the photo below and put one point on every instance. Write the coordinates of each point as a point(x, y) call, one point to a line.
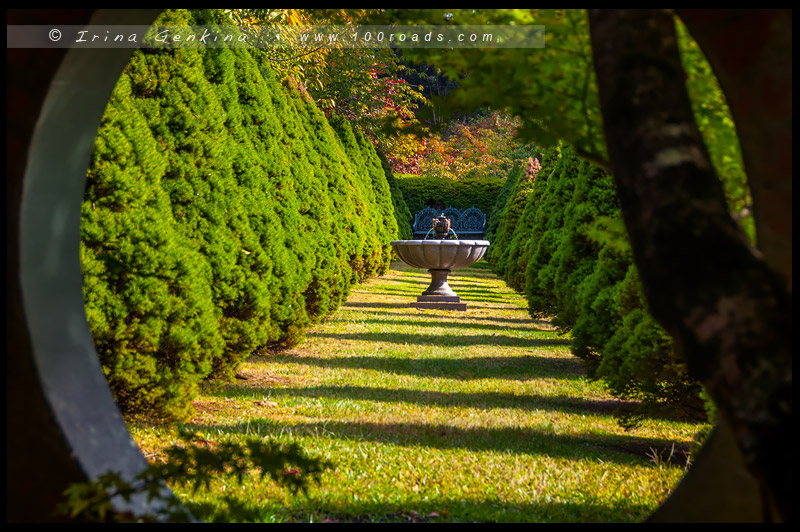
point(478, 146)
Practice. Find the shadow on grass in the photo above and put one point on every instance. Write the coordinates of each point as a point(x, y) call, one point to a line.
point(520, 368)
point(476, 271)
point(416, 281)
point(390, 315)
point(459, 324)
point(465, 293)
point(411, 295)
point(439, 317)
point(493, 510)
point(615, 448)
point(454, 279)
point(484, 295)
point(528, 320)
point(473, 288)
point(461, 340)
point(460, 275)
point(467, 298)
point(508, 307)
point(481, 400)
point(435, 509)
point(374, 305)
point(512, 306)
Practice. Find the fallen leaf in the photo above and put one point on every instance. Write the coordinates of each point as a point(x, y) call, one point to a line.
point(266, 403)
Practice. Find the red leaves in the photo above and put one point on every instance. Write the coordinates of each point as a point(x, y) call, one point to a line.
point(479, 146)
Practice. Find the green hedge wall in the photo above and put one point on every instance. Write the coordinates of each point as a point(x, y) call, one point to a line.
point(420, 191)
point(503, 198)
point(222, 214)
point(502, 254)
point(561, 242)
point(402, 213)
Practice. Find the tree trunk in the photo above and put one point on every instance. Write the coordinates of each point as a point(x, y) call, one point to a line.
point(756, 75)
point(728, 312)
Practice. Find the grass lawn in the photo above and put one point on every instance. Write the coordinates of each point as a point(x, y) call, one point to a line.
point(433, 415)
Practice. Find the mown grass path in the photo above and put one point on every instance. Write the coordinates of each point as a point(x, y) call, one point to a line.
point(481, 415)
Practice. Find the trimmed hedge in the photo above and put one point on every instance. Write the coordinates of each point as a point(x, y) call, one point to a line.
point(562, 243)
point(402, 214)
point(222, 214)
point(503, 198)
point(504, 251)
point(421, 191)
point(377, 211)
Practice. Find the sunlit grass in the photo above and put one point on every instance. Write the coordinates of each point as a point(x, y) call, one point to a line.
point(432, 415)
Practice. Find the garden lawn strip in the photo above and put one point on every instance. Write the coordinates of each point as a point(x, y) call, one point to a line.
point(433, 415)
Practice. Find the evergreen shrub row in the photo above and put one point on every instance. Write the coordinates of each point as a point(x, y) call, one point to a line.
point(561, 241)
point(402, 213)
point(223, 213)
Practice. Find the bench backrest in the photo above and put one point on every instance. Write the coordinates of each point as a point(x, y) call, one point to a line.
point(470, 222)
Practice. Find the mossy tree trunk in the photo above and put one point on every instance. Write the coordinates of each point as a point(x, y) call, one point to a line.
point(727, 309)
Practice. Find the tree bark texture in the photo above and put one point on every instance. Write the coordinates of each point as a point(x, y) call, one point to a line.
point(750, 52)
point(727, 310)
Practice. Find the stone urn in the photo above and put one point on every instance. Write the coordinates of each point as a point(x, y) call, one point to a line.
point(439, 257)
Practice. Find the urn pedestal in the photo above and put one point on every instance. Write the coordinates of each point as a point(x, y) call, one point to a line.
point(439, 257)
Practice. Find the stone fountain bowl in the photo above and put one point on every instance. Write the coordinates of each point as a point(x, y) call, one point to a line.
point(439, 257)
point(440, 254)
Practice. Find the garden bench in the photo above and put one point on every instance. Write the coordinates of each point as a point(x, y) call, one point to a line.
point(468, 224)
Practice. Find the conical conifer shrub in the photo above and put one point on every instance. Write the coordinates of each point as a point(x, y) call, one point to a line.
point(222, 214)
point(568, 251)
point(147, 287)
point(402, 213)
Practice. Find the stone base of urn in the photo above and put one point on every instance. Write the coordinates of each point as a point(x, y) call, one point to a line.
point(439, 295)
point(430, 302)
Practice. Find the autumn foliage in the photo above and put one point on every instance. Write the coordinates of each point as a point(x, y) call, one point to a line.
point(481, 145)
